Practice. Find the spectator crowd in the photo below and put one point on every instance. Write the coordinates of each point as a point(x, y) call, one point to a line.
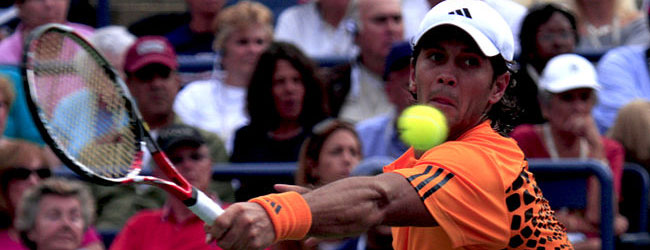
point(319, 84)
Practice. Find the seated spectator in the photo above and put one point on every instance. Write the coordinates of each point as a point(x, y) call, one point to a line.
point(318, 28)
point(547, 31)
point(355, 89)
point(24, 165)
point(173, 226)
point(218, 104)
point(605, 24)
point(631, 130)
point(34, 13)
point(113, 41)
point(151, 70)
point(284, 101)
point(623, 75)
point(414, 10)
point(328, 155)
point(190, 33)
point(379, 134)
point(567, 95)
point(55, 214)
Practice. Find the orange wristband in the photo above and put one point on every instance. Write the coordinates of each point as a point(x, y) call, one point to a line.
point(289, 212)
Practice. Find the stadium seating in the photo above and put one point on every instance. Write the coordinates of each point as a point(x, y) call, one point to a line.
point(564, 184)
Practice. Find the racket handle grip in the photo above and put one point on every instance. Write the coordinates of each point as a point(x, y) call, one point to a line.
point(204, 207)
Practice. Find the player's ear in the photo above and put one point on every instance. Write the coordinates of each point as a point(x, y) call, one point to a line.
point(413, 88)
point(499, 87)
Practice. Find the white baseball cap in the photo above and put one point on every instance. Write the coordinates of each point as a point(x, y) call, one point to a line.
point(566, 72)
point(484, 24)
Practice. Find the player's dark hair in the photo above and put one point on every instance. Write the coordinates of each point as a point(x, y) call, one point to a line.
point(259, 100)
point(503, 113)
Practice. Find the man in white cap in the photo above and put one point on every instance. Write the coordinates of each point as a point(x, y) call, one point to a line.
point(472, 192)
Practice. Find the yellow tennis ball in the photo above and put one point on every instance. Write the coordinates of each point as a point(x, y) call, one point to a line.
point(422, 127)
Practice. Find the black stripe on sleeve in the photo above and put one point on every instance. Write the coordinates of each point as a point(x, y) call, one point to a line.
point(437, 186)
point(429, 179)
point(426, 171)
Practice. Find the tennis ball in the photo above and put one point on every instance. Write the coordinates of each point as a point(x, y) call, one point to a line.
point(422, 127)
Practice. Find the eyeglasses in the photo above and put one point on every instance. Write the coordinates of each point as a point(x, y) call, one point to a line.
point(22, 173)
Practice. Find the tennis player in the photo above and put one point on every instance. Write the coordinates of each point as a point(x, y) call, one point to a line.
point(472, 192)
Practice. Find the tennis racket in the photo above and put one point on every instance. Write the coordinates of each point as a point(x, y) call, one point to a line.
point(86, 114)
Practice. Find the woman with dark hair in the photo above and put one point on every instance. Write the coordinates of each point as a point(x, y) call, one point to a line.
point(547, 31)
point(284, 101)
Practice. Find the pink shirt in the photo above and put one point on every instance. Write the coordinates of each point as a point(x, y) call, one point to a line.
point(11, 48)
point(533, 146)
point(158, 229)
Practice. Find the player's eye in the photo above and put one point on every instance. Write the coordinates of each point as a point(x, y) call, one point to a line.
point(471, 62)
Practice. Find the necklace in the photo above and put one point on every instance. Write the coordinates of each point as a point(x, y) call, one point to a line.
point(594, 34)
point(552, 149)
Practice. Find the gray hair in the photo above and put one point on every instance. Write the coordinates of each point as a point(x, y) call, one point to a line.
point(29, 204)
point(113, 42)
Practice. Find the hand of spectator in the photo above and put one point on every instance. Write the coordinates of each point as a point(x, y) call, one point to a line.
point(584, 126)
point(620, 224)
point(243, 225)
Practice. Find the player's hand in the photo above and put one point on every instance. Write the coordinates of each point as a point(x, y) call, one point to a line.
point(243, 225)
point(286, 188)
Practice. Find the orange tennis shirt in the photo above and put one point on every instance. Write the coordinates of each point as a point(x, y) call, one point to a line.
point(479, 190)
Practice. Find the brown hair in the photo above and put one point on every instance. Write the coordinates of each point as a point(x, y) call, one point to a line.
point(631, 130)
point(312, 146)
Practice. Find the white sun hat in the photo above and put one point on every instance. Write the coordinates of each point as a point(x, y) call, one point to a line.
point(566, 72)
point(485, 25)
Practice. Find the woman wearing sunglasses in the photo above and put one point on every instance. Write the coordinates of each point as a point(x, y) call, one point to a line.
point(23, 166)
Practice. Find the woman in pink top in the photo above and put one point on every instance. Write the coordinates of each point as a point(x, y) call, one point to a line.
point(567, 95)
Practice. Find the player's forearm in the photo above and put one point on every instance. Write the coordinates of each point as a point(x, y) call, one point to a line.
point(353, 205)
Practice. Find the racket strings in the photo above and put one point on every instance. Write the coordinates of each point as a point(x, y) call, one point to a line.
point(82, 106)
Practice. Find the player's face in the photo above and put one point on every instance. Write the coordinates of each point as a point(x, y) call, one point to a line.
point(453, 75)
point(242, 49)
point(194, 164)
point(288, 90)
point(555, 37)
point(341, 152)
point(34, 13)
point(154, 88)
point(59, 223)
point(381, 26)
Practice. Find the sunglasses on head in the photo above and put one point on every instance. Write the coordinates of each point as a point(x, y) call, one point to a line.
point(21, 173)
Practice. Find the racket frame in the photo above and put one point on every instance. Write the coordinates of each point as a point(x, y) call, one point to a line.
point(177, 185)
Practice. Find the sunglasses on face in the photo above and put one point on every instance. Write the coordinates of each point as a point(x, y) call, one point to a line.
point(22, 173)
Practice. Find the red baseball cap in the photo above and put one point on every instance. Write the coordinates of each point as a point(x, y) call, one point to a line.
point(150, 49)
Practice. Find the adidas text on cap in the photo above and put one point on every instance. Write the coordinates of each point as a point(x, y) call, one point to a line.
point(484, 24)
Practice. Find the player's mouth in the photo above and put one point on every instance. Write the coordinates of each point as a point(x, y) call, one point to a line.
point(441, 101)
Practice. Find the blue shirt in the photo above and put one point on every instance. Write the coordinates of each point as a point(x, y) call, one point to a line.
point(623, 76)
point(379, 136)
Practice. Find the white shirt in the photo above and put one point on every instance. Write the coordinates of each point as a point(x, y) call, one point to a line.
point(367, 97)
point(213, 106)
point(303, 26)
